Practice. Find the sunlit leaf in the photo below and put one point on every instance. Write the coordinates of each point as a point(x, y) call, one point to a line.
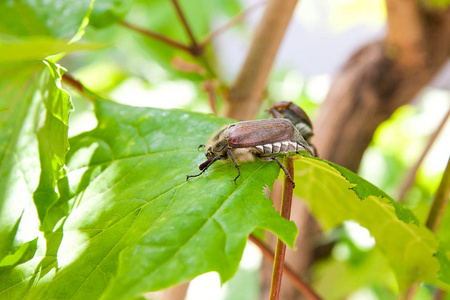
point(20, 165)
point(52, 138)
point(335, 194)
point(37, 48)
point(134, 223)
point(60, 19)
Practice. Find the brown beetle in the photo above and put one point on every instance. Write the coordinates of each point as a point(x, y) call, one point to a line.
point(243, 141)
point(298, 117)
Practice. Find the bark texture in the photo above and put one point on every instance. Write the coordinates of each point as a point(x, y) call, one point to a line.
point(377, 80)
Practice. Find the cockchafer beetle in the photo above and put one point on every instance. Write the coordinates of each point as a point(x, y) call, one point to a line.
point(243, 141)
point(298, 117)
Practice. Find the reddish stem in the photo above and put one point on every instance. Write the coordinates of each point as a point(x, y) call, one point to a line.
point(195, 49)
point(209, 88)
point(280, 251)
point(76, 84)
point(297, 280)
point(156, 36)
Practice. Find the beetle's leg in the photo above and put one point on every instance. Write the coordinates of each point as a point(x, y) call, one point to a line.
point(200, 146)
point(284, 169)
point(204, 168)
point(235, 164)
point(314, 150)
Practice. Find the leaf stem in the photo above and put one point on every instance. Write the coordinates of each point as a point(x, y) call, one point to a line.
point(297, 280)
point(440, 201)
point(156, 36)
point(280, 252)
point(195, 49)
point(76, 84)
point(236, 19)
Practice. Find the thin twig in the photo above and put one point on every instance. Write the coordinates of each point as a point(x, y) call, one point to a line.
point(76, 84)
point(439, 295)
point(411, 176)
point(440, 201)
point(230, 23)
point(280, 252)
point(209, 88)
point(185, 23)
point(156, 36)
point(297, 280)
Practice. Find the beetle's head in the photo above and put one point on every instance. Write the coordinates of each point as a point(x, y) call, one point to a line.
point(216, 148)
point(209, 153)
point(217, 145)
point(211, 157)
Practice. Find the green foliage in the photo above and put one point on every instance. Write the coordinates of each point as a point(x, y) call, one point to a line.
point(20, 162)
point(336, 194)
point(114, 216)
point(335, 279)
point(127, 213)
point(107, 12)
point(35, 48)
point(60, 19)
point(52, 138)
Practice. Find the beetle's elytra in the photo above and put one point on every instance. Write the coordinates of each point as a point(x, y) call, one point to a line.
point(243, 141)
point(297, 116)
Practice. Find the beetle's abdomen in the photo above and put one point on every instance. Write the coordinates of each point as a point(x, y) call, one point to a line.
point(279, 147)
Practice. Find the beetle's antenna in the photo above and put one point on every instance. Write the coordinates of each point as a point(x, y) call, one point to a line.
point(200, 146)
point(204, 167)
point(235, 164)
point(284, 169)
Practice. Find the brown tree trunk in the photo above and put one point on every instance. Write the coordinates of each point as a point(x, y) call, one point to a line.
point(378, 79)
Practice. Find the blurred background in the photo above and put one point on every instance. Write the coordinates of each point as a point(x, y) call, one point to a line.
point(323, 34)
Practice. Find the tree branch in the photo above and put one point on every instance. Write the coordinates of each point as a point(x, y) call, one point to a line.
point(185, 23)
point(371, 86)
point(440, 201)
point(411, 175)
point(246, 93)
point(406, 32)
